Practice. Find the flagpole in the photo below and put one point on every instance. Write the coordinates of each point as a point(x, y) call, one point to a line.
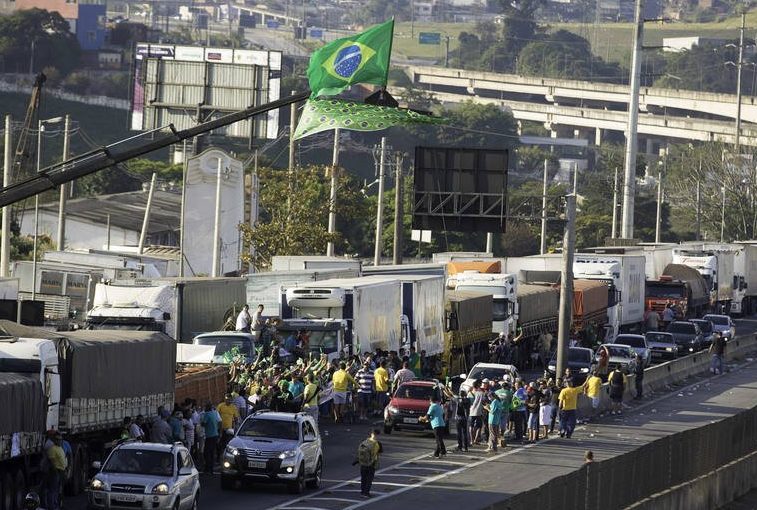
point(388, 63)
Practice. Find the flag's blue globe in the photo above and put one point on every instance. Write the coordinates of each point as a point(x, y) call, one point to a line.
point(347, 61)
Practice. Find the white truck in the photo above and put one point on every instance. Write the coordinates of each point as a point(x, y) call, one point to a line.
point(503, 289)
point(81, 384)
point(344, 315)
point(181, 307)
point(745, 266)
point(314, 262)
point(265, 288)
point(717, 268)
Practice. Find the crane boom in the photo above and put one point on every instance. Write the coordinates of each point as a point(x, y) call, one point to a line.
point(32, 110)
point(124, 150)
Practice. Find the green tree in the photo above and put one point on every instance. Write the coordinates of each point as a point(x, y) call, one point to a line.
point(704, 68)
point(298, 225)
point(50, 34)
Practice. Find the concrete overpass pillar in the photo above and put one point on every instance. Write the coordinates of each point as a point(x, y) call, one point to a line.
point(598, 136)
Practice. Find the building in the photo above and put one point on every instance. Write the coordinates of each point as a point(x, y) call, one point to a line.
point(679, 44)
point(87, 20)
point(95, 223)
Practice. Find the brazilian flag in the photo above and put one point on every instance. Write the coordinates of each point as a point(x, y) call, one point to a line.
point(361, 58)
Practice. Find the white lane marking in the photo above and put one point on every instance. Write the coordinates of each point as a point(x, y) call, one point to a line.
point(438, 461)
point(335, 499)
point(421, 468)
point(401, 475)
point(405, 488)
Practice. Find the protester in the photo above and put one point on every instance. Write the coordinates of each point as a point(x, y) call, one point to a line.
point(717, 350)
point(56, 469)
point(639, 379)
point(462, 412)
point(341, 379)
point(365, 384)
point(495, 416)
point(476, 413)
point(244, 321)
point(617, 382)
point(593, 389)
point(368, 457)
point(533, 403)
point(568, 401)
point(435, 416)
point(381, 378)
point(211, 423)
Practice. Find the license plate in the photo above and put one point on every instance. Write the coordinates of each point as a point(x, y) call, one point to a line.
point(256, 464)
point(409, 420)
point(125, 498)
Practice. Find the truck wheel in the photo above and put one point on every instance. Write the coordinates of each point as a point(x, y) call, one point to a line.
point(79, 472)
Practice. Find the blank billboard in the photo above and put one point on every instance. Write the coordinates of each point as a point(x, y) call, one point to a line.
point(173, 84)
point(458, 189)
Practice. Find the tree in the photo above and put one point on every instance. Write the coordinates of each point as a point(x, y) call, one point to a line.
point(293, 220)
point(704, 68)
point(50, 34)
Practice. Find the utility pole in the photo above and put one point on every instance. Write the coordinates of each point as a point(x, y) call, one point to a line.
point(332, 192)
point(292, 126)
point(36, 212)
point(216, 269)
point(398, 212)
point(543, 248)
point(146, 219)
point(658, 221)
point(61, 237)
point(446, 52)
point(5, 242)
point(254, 204)
point(629, 168)
point(183, 206)
point(739, 65)
point(566, 285)
point(380, 207)
point(575, 178)
point(699, 210)
point(722, 217)
point(614, 233)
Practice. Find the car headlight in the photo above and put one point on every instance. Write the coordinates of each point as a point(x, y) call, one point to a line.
point(392, 410)
point(551, 368)
point(161, 488)
point(669, 349)
point(584, 370)
point(288, 454)
point(231, 451)
point(98, 485)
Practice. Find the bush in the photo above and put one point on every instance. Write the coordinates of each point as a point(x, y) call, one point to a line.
point(77, 83)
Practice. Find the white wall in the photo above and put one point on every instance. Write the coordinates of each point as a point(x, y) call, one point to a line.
point(80, 233)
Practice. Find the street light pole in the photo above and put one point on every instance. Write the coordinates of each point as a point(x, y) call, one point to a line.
point(61, 237)
point(722, 217)
point(380, 207)
point(36, 212)
point(739, 66)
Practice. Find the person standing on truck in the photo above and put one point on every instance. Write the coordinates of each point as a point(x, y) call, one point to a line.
point(56, 458)
point(244, 321)
point(257, 319)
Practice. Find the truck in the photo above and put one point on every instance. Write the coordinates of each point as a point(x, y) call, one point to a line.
point(344, 316)
point(745, 268)
point(589, 304)
point(467, 330)
point(538, 308)
point(680, 285)
point(180, 307)
point(422, 316)
point(82, 384)
point(502, 287)
point(265, 288)
point(314, 262)
point(717, 268)
point(456, 268)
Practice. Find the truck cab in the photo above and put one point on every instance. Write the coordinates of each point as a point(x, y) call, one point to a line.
point(35, 356)
point(707, 265)
point(502, 287)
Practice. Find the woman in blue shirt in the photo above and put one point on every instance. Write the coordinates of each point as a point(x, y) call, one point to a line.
point(435, 415)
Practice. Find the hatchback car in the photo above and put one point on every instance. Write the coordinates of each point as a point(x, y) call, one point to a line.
point(723, 324)
point(687, 335)
point(639, 344)
point(275, 447)
point(145, 475)
point(491, 371)
point(662, 345)
point(580, 362)
point(620, 354)
point(410, 401)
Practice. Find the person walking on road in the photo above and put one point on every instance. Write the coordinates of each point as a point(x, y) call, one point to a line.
point(368, 457)
point(617, 387)
point(494, 418)
point(476, 412)
point(461, 415)
point(717, 349)
point(435, 416)
point(568, 401)
point(341, 379)
point(593, 390)
point(639, 379)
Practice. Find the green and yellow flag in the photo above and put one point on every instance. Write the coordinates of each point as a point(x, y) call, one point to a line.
point(362, 58)
point(325, 114)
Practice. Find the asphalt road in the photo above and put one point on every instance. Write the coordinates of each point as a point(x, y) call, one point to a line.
point(413, 478)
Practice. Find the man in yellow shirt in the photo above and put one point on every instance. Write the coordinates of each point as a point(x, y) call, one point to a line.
point(341, 379)
point(381, 378)
point(310, 397)
point(593, 390)
point(568, 400)
point(57, 467)
point(229, 420)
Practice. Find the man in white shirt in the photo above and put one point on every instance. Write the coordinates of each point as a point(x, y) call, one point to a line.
point(403, 375)
point(244, 320)
point(257, 319)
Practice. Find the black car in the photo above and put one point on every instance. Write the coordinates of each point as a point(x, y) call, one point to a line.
point(662, 345)
point(580, 362)
point(687, 336)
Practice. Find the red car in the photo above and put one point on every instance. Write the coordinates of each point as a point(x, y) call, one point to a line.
point(410, 402)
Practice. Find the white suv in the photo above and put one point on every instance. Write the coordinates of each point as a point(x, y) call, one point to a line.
point(145, 475)
point(275, 447)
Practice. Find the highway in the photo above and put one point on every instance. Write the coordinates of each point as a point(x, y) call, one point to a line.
point(411, 476)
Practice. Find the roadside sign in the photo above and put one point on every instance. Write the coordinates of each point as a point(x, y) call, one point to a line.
point(429, 38)
point(421, 236)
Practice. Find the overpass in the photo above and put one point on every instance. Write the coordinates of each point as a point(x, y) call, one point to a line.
point(598, 107)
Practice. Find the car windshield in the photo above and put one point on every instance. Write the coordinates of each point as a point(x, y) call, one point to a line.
point(225, 344)
point(276, 429)
point(686, 328)
point(705, 326)
point(618, 352)
point(319, 342)
point(659, 337)
point(660, 290)
point(140, 462)
point(491, 373)
point(416, 392)
point(720, 321)
point(633, 341)
point(576, 356)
